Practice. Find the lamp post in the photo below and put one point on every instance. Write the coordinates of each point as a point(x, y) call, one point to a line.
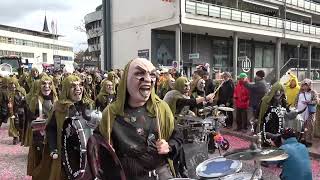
point(298, 64)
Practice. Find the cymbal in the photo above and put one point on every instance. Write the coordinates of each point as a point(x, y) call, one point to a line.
point(225, 109)
point(267, 154)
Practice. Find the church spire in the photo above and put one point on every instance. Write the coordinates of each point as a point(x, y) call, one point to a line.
point(45, 25)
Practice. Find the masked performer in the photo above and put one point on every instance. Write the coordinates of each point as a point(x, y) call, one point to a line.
point(89, 87)
point(272, 110)
point(106, 95)
point(44, 95)
point(57, 83)
point(34, 75)
point(140, 125)
point(70, 104)
point(16, 102)
point(179, 99)
point(97, 82)
point(3, 99)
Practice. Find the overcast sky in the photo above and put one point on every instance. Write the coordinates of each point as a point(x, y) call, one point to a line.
point(29, 14)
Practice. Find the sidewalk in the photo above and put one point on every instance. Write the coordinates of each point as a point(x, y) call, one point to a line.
point(314, 150)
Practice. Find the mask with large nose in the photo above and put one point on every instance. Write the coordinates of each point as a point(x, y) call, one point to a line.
point(140, 81)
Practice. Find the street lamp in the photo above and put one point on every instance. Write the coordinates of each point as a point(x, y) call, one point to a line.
point(298, 64)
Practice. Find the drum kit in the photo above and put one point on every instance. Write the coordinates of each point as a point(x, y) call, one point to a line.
point(205, 128)
point(228, 166)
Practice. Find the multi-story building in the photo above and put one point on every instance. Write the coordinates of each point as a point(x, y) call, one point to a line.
point(36, 46)
point(94, 33)
point(231, 35)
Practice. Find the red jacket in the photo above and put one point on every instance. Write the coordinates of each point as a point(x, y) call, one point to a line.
point(241, 95)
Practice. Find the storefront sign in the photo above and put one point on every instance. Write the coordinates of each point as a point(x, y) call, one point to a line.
point(143, 53)
point(194, 56)
point(245, 64)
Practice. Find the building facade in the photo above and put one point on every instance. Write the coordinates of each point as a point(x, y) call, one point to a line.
point(93, 26)
point(231, 35)
point(36, 46)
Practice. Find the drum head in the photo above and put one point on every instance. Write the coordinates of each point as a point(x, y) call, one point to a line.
point(73, 147)
point(218, 167)
point(239, 176)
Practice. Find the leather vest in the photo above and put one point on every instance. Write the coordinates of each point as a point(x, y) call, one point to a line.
point(134, 139)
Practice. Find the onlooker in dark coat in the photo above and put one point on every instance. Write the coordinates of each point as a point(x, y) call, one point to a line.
point(225, 96)
point(241, 100)
point(256, 90)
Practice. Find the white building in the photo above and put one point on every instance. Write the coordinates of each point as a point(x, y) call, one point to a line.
point(231, 35)
point(93, 22)
point(36, 46)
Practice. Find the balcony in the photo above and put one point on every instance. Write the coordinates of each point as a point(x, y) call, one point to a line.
point(304, 4)
point(230, 14)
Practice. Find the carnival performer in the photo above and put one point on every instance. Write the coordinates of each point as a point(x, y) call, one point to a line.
point(179, 100)
point(16, 101)
point(89, 87)
point(166, 85)
point(140, 125)
point(34, 75)
point(70, 104)
point(106, 95)
point(3, 99)
point(292, 89)
point(57, 78)
point(307, 97)
point(44, 94)
point(272, 109)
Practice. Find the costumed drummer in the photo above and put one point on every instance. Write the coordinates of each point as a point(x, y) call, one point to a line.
point(179, 100)
point(16, 101)
point(106, 95)
point(133, 122)
point(70, 104)
point(272, 110)
point(44, 94)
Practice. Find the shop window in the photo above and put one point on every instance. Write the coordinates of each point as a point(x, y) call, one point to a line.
point(268, 57)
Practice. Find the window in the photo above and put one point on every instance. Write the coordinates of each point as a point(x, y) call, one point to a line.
point(18, 41)
point(258, 56)
point(3, 39)
point(10, 40)
point(268, 57)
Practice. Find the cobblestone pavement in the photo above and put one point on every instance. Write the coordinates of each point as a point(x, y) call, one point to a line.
point(13, 159)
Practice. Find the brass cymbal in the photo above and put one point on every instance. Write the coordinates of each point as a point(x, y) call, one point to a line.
point(267, 154)
point(225, 109)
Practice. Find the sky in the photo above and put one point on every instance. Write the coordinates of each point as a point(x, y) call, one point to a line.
point(30, 14)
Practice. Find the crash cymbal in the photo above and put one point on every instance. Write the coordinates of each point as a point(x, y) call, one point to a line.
point(277, 158)
point(256, 154)
point(225, 109)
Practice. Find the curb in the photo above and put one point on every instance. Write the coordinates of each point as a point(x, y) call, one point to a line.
point(252, 138)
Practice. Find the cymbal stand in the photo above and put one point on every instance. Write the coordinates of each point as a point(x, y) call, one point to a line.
point(257, 163)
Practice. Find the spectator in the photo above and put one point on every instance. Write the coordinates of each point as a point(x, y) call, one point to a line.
point(256, 90)
point(225, 96)
point(307, 98)
point(241, 99)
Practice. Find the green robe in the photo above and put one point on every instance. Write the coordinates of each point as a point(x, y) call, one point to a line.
point(50, 169)
point(155, 107)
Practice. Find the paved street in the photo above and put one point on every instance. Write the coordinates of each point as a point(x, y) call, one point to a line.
point(13, 159)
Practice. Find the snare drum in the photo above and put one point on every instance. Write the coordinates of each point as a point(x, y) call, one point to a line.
point(75, 135)
point(39, 124)
point(218, 167)
point(239, 176)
